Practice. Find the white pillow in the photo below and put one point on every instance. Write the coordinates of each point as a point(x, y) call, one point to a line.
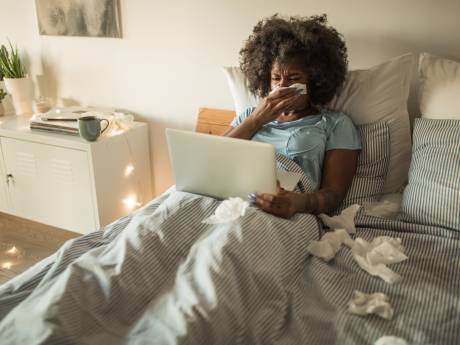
point(439, 91)
point(372, 95)
point(242, 97)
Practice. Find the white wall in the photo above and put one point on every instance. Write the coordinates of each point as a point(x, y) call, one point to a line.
point(168, 62)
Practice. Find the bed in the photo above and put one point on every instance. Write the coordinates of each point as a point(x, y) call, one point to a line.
point(162, 276)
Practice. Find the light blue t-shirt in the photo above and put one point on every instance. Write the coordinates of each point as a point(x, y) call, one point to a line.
point(307, 139)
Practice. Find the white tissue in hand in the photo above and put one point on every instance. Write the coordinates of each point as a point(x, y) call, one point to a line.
point(390, 340)
point(373, 257)
point(329, 244)
point(376, 303)
point(302, 88)
point(229, 210)
point(345, 220)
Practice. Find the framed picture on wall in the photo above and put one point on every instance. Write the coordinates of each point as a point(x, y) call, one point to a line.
point(94, 18)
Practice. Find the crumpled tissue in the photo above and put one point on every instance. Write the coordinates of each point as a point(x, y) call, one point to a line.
point(374, 256)
point(228, 211)
point(376, 303)
point(345, 220)
point(301, 88)
point(329, 244)
point(390, 340)
point(123, 121)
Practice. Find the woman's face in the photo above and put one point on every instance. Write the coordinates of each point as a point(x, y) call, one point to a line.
point(286, 74)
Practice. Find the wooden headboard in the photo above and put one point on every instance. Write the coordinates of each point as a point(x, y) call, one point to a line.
point(214, 121)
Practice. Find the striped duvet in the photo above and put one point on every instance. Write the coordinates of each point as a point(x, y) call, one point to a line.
point(161, 276)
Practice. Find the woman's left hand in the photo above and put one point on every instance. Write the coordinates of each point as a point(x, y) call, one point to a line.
point(282, 204)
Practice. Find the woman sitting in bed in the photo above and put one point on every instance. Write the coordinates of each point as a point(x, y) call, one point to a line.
point(325, 144)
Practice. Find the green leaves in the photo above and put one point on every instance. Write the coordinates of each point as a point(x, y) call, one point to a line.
point(10, 62)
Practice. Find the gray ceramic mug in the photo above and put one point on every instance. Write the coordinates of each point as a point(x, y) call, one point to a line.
point(90, 127)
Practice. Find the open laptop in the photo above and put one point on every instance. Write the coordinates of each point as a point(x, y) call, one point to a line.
point(221, 167)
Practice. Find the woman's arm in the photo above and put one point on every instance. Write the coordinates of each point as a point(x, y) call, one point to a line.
point(246, 130)
point(339, 167)
point(268, 110)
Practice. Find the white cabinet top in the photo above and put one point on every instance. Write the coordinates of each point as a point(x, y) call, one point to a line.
point(17, 127)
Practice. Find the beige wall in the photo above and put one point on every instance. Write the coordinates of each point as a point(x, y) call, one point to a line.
point(168, 62)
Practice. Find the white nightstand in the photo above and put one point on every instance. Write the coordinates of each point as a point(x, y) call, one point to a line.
point(67, 182)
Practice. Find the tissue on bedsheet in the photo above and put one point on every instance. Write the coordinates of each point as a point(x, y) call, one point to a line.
point(345, 220)
point(374, 256)
point(376, 303)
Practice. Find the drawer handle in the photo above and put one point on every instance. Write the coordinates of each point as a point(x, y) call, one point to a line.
point(9, 178)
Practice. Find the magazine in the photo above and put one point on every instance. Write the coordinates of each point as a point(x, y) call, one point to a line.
point(65, 120)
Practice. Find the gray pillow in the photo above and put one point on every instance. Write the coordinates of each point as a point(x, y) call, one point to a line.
point(373, 162)
point(432, 196)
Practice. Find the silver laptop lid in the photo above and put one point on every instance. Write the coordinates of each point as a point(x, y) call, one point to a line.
point(221, 167)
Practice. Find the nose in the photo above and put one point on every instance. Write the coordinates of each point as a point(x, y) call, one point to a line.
point(284, 82)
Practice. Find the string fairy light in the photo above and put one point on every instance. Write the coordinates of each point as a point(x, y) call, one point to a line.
point(129, 169)
point(6, 265)
point(131, 202)
point(13, 250)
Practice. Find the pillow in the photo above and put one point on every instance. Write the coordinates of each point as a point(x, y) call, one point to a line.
point(238, 84)
point(373, 161)
point(432, 196)
point(439, 91)
point(373, 95)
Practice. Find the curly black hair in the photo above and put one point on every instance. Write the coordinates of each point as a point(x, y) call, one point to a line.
point(305, 40)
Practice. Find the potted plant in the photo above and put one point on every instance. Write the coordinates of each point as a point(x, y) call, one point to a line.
point(17, 83)
point(2, 96)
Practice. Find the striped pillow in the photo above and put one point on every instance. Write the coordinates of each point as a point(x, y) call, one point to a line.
point(373, 162)
point(432, 196)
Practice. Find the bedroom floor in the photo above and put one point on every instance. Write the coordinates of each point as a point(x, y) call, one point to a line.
point(24, 242)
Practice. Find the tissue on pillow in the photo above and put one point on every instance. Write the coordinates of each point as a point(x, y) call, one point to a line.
point(439, 87)
point(372, 95)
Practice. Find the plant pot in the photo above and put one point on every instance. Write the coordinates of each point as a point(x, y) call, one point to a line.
point(21, 93)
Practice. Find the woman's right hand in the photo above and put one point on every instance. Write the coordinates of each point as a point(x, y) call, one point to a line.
point(278, 101)
point(268, 110)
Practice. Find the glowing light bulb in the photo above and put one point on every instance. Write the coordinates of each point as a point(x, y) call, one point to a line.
point(7, 265)
point(13, 250)
point(131, 202)
point(129, 169)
